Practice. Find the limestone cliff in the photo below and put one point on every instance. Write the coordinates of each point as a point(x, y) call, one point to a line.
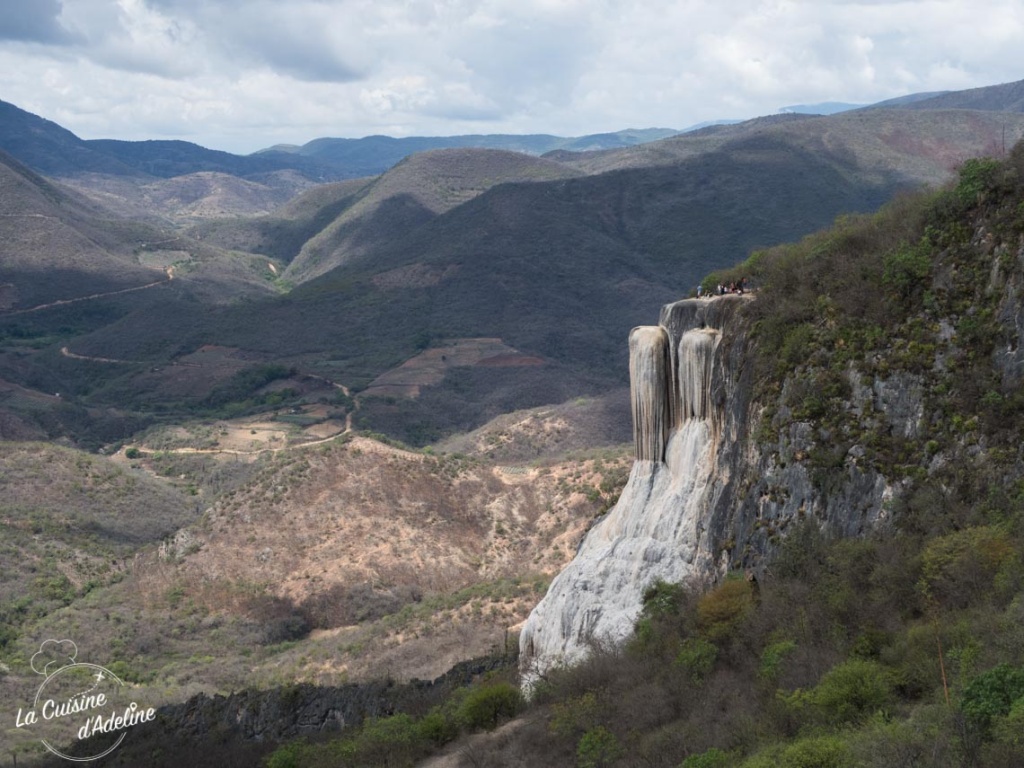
point(685, 427)
point(875, 377)
point(702, 497)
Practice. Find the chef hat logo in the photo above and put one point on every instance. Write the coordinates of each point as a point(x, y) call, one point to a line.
point(53, 655)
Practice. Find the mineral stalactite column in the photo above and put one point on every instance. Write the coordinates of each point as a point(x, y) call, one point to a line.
point(696, 367)
point(649, 366)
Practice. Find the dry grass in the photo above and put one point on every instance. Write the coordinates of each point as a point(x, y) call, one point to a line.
point(345, 561)
point(546, 433)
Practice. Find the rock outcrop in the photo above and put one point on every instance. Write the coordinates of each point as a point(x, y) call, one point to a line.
point(658, 528)
point(703, 496)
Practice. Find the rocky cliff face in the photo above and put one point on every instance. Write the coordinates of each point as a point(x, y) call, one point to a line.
point(703, 497)
point(681, 393)
point(875, 377)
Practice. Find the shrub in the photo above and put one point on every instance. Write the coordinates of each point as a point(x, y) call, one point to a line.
point(820, 752)
point(437, 728)
point(960, 568)
point(906, 269)
point(662, 599)
point(697, 657)
point(913, 655)
point(1009, 728)
point(719, 611)
point(598, 747)
point(486, 706)
point(976, 176)
point(293, 755)
point(796, 346)
point(575, 715)
point(713, 758)
point(993, 694)
point(771, 659)
point(852, 691)
point(394, 740)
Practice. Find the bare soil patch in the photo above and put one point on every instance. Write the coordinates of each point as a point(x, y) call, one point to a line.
point(430, 366)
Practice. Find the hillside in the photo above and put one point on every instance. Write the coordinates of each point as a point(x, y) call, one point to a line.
point(558, 270)
point(854, 571)
point(68, 268)
point(57, 246)
point(919, 146)
point(413, 192)
point(50, 149)
point(555, 257)
point(54, 151)
point(282, 234)
point(70, 523)
point(852, 631)
point(854, 628)
point(53, 246)
point(194, 197)
point(167, 159)
point(1006, 97)
point(347, 561)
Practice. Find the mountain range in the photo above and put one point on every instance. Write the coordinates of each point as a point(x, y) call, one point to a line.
point(556, 256)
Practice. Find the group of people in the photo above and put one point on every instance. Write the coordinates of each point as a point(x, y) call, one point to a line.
point(737, 286)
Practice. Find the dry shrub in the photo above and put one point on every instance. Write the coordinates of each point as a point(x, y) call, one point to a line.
point(720, 611)
point(342, 605)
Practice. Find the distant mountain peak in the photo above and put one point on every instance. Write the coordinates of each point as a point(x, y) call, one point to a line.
point(821, 108)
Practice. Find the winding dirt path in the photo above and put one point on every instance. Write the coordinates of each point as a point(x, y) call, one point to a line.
point(343, 388)
point(62, 302)
point(362, 443)
point(236, 452)
point(68, 353)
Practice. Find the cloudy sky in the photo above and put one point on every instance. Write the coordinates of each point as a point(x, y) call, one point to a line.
point(245, 74)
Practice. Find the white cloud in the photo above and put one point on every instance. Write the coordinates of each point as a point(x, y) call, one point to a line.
point(242, 74)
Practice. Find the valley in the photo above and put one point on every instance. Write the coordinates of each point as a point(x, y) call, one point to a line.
point(297, 426)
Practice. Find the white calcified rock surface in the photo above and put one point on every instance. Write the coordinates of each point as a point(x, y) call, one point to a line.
point(649, 363)
point(655, 530)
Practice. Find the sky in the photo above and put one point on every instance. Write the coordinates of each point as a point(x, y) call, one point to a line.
point(241, 75)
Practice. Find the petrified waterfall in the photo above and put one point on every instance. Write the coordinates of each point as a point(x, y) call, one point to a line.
point(649, 364)
point(656, 530)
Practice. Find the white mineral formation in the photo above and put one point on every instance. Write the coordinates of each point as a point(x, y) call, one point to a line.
point(649, 364)
point(655, 530)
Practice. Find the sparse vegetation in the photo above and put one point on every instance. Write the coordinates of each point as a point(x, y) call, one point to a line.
point(350, 560)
